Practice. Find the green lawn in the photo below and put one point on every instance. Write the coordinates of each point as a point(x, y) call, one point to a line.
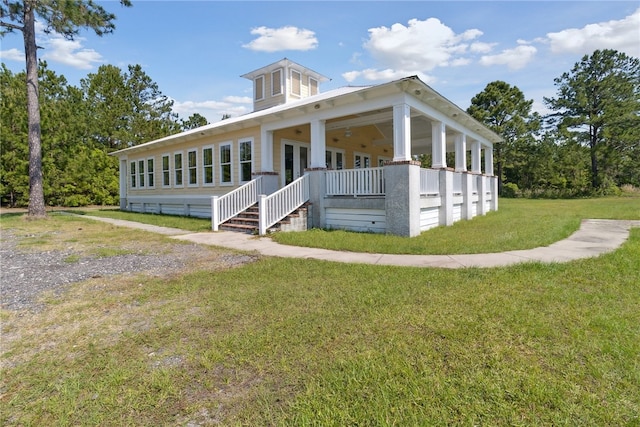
point(304, 342)
point(518, 224)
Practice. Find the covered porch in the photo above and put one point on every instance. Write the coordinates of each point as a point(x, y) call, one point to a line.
point(359, 157)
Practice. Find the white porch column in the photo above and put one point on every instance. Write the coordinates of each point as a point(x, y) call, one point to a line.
point(461, 152)
point(488, 161)
point(438, 145)
point(401, 132)
point(318, 145)
point(266, 152)
point(475, 157)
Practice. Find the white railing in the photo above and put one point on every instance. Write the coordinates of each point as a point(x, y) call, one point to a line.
point(429, 181)
point(474, 184)
point(278, 205)
point(231, 204)
point(457, 183)
point(355, 182)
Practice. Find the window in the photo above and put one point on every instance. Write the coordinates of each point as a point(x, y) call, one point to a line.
point(177, 169)
point(166, 174)
point(151, 179)
point(382, 160)
point(276, 82)
point(259, 88)
point(225, 163)
point(333, 159)
point(192, 167)
point(141, 173)
point(296, 79)
point(361, 161)
point(313, 86)
point(133, 174)
point(207, 165)
point(245, 161)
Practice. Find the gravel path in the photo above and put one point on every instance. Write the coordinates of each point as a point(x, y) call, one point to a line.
point(25, 275)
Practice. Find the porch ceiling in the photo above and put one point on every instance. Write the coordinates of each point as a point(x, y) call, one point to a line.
point(379, 123)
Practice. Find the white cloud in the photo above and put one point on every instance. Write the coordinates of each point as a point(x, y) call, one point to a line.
point(622, 35)
point(70, 52)
point(214, 110)
point(284, 38)
point(422, 45)
point(514, 59)
point(417, 48)
point(12, 55)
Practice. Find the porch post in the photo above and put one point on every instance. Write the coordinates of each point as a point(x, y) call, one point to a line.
point(461, 152)
point(475, 157)
point(318, 144)
point(402, 200)
point(401, 133)
point(266, 151)
point(438, 145)
point(488, 161)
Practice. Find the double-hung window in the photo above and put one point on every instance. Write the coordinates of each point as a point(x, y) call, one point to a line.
point(141, 173)
point(225, 164)
point(166, 172)
point(132, 167)
point(259, 88)
point(177, 170)
point(192, 167)
point(207, 166)
point(245, 161)
point(151, 179)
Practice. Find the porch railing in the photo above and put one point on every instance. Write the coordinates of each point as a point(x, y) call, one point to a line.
point(429, 181)
point(355, 182)
point(278, 205)
point(231, 204)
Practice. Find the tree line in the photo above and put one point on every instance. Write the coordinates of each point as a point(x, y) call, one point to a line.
point(110, 110)
point(588, 145)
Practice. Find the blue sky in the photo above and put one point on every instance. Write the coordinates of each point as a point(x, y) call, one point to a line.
point(196, 50)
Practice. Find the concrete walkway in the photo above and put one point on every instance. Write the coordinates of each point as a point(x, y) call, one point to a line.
point(595, 237)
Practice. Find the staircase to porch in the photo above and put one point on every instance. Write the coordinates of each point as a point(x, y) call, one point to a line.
point(248, 220)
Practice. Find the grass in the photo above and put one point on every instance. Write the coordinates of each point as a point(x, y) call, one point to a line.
point(304, 342)
point(172, 221)
point(518, 224)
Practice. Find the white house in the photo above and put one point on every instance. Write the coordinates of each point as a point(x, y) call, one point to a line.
point(348, 154)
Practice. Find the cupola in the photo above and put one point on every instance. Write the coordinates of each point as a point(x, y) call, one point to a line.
point(282, 82)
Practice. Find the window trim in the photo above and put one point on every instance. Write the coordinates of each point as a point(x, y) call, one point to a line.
point(212, 166)
point(133, 175)
point(279, 84)
point(151, 174)
point(193, 168)
point(255, 88)
point(317, 86)
point(175, 170)
point(168, 170)
point(141, 173)
point(230, 163)
point(363, 156)
point(299, 94)
point(241, 162)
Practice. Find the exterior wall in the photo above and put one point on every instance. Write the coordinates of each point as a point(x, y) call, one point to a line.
point(356, 219)
point(142, 198)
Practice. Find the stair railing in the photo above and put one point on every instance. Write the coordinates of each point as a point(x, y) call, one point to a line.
point(278, 205)
point(231, 204)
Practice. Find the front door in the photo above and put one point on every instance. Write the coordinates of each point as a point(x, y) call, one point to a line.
point(295, 159)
